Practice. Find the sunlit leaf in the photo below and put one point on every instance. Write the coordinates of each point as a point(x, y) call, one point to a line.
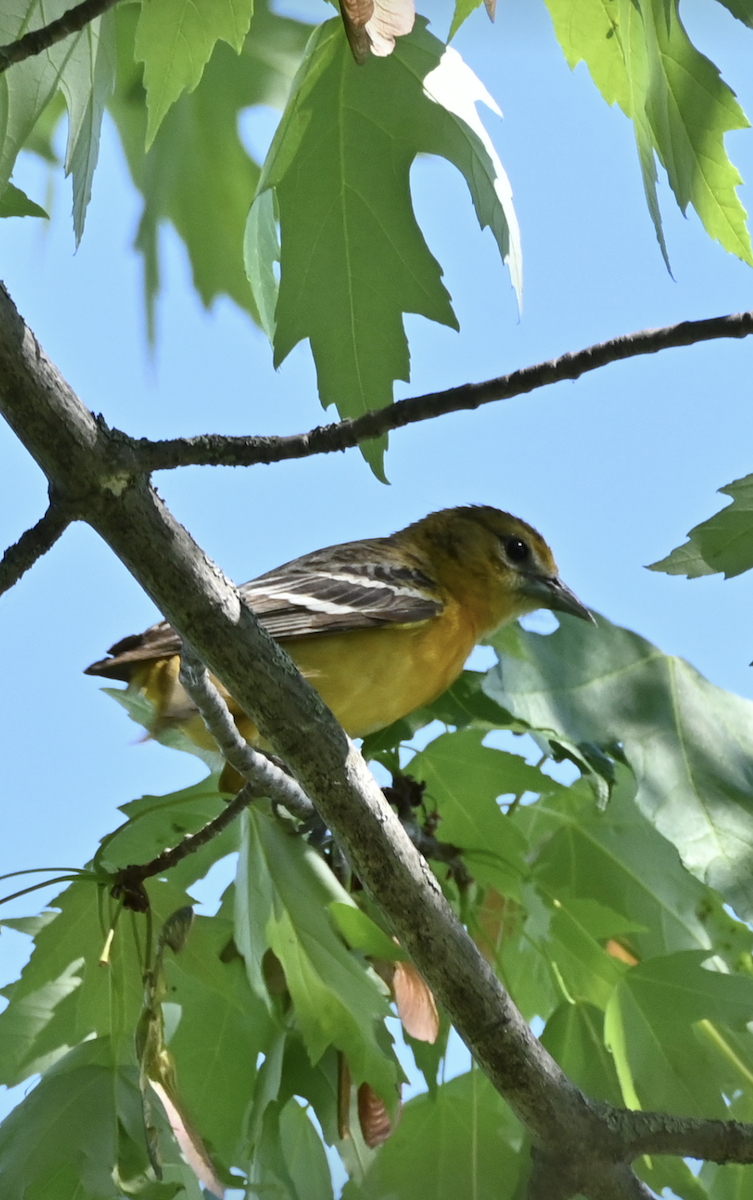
point(82, 67)
point(198, 174)
point(640, 57)
point(722, 543)
point(339, 166)
point(175, 39)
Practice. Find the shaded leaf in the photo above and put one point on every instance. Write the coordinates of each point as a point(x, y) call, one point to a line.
point(156, 823)
point(87, 83)
point(15, 203)
point(361, 933)
point(742, 9)
point(574, 1036)
point(618, 858)
point(672, 1173)
point(283, 893)
point(261, 250)
point(466, 1131)
point(66, 1139)
point(64, 995)
point(660, 1061)
point(734, 1181)
point(82, 67)
point(586, 970)
point(222, 1029)
point(463, 781)
point(304, 1154)
point(289, 1161)
point(690, 744)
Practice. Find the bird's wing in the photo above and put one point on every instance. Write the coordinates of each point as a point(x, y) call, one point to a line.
point(358, 585)
point(159, 641)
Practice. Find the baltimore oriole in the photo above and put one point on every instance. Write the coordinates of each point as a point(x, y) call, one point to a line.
point(379, 627)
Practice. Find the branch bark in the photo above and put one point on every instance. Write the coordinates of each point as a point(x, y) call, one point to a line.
point(102, 482)
point(37, 40)
point(219, 450)
point(128, 882)
point(714, 1141)
point(31, 545)
point(266, 778)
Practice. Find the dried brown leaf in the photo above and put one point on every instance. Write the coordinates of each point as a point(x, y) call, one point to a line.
point(372, 25)
point(191, 1146)
point(415, 1003)
point(373, 1117)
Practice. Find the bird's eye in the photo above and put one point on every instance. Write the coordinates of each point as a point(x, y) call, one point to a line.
point(518, 551)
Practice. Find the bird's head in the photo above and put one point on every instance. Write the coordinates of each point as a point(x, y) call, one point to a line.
point(489, 554)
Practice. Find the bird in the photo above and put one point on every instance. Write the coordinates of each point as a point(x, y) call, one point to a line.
point(379, 627)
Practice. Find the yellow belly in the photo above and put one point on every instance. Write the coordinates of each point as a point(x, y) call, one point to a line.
point(371, 677)
point(367, 677)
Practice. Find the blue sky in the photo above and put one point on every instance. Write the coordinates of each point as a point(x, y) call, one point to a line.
point(613, 469)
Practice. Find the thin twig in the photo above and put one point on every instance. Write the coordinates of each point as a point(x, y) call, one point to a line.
point(128, 881)
point(32, 545)
point(267, 778)
point(218, 450)
point(37, 40)
point(37, 887)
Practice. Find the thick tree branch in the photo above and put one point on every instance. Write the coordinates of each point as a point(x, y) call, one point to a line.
point(218, 450)
point(32, 545)
point(551, 1180)
point(659, 1133)
point(37, 40)
point(96, 474)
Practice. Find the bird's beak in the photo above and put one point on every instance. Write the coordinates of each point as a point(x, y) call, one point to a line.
point(553, 593)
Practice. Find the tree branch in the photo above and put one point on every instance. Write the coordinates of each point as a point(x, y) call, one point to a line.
point(128, 882)
point(265, 776)
point(659, 1133)
point(95, 473)
point(218, 450)
point(32, 545)
point(550, 1179)
point(37, 40)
